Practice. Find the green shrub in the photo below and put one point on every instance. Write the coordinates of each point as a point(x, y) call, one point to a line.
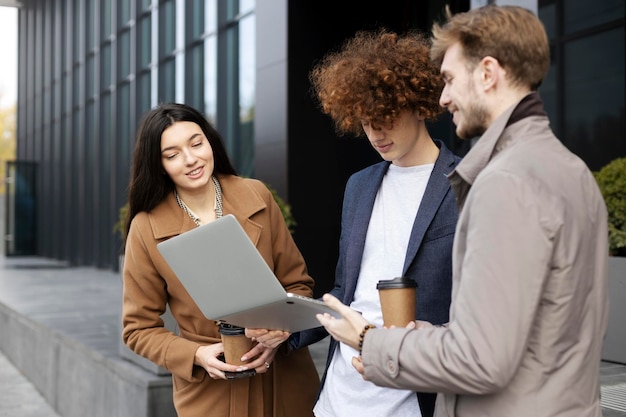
point(612, 182)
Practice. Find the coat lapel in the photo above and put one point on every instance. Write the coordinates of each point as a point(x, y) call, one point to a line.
point(360, 216)
point(436, 189)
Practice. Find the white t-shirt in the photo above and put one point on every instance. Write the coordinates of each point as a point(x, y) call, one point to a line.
point(345, 392)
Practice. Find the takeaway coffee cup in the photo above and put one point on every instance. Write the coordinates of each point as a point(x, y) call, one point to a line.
point(397, 300)
point(235, 343)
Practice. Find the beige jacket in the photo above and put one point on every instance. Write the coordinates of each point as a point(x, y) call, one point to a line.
point(290, 386)
point(529, 301)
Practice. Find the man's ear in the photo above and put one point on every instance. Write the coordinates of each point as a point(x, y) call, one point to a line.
point(491, 71)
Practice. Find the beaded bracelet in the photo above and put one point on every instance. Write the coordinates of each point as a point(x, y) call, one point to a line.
point(362, 335)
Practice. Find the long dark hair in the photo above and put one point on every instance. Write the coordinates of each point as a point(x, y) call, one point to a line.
point(149, 184)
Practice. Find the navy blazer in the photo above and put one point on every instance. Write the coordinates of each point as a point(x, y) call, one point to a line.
point(429, 255)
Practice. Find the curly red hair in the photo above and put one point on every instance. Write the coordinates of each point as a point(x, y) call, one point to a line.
point(375, 76)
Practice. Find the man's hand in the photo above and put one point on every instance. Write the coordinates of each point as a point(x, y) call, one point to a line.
point(347, 328)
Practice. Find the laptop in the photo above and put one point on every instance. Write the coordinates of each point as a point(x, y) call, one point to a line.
point(230, 282)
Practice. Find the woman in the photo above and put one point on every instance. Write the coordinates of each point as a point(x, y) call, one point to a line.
point(182, 178)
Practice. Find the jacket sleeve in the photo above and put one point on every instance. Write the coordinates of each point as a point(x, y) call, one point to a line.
point(144, 301)
point(494, 300)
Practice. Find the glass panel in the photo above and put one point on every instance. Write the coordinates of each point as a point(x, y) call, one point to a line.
point(547, 15)
point(195, 19)
point(21, 205)
point(104, 176)
point(123, 13)
point(67, 88)
point(144, 83)
point(594, 96)
point(123, 136)
point(76, 39)
point(76, 89)
point(144, 42)
point(91, 24)
point(89, 161)
point(210, 17)
point(583, 14)
point(90, 88)
point(167, 81)
point(124, 141)
point(167, 26)
point(247, 79)
point(105, 64)
point(210, 81)
point(105, 19)
point(246, 6)
point(143, 4)
point(123, 59)
point(194, 82)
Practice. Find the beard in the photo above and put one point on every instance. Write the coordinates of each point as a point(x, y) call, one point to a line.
point(475, 123)
point(476, 116)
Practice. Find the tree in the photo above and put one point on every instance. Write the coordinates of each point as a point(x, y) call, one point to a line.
point(7, 140)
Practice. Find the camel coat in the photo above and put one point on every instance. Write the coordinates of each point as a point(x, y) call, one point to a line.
point(289, 388)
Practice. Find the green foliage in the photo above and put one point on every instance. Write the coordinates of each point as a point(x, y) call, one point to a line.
point(285, 208)
point(120, 225)
point(612, 182)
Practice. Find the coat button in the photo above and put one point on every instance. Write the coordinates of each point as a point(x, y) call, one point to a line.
point(392, 368)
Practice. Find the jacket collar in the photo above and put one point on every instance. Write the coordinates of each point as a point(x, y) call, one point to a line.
point(167, 219)
point(490, 143)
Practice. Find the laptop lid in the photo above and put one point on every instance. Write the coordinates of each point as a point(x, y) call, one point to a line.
point(229, 280)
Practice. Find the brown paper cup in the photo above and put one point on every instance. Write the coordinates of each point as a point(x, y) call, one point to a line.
point(397, 301)
point(235, 343)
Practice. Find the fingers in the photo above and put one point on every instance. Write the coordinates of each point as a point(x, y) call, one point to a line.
point(346, 312)
point(268, 338)
point(256, 333)
point(263, 362)
point(256, 350)
point(419, 324)
point(357, 363)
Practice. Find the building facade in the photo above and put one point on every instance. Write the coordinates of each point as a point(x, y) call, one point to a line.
point(89, 69)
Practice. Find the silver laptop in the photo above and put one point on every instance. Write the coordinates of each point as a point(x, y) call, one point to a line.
point(228, 279)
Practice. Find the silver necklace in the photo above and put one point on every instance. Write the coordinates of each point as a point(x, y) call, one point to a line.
point(218, 203)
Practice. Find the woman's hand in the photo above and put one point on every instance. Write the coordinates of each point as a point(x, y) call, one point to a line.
point(268, 338)
point(207, 357)
point(261, 357)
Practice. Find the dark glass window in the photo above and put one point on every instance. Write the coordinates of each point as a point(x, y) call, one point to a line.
point(144, 88)
point(584, 90)
point(123, 55)
point(167, 81)
point(90, 27)
point(594, 95)
point(584, 14)
point(105, 66)
point(194, 82)
point(105, 20)
point(144, 41)
point(167, 28)
point(123, 13)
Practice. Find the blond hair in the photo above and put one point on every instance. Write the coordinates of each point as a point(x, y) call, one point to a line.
point(512, 35)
